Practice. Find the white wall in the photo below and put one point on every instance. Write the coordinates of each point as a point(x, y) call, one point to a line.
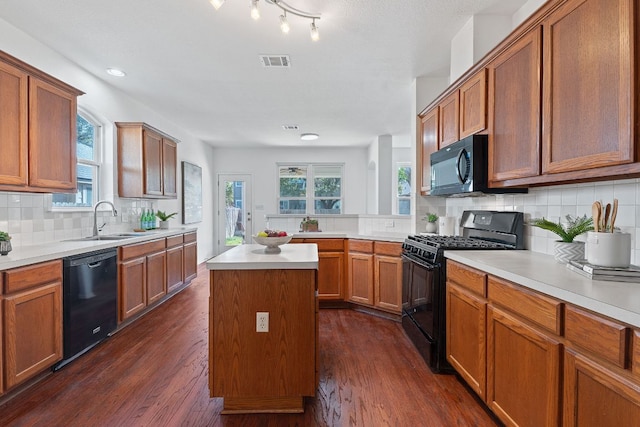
point(525, 11)
point(111, 105)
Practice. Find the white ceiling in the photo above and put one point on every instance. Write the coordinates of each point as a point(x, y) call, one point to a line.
point(199, 67)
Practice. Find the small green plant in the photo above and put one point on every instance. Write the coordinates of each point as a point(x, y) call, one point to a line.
point(165, 217)
point(430, 217)
point(4, 236)
point(574, 227)
point(310, 221)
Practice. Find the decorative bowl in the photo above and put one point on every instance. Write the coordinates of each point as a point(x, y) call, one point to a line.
point(272, 243)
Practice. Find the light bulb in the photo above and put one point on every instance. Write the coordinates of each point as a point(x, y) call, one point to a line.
point(216, 3)
point(284, 24)
point(255, 12)
point(315, 36)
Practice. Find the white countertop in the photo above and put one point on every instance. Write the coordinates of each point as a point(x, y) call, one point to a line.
point(540, 272)
point(299, 256)
point(381, 236)
point(27, 255)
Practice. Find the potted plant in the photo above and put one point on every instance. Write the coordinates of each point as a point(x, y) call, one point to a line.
point(164, 218)
point(566, 249)
point(431, 219)
point(309, 224)
point(5, 243)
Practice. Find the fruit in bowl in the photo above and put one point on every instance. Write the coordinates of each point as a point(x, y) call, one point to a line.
point(272, 239)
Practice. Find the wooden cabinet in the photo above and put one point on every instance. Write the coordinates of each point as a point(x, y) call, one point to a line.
point(331, 267)
point(514, 110)
point(156, 276)
point(175, 262)
point(588, 85)
point(449, 123)
point(427, 143)
point(375, 274)
point(147, 162)
point(190, 257)
point(473, 104)
point(466, 324)
point(31, 320)
point(38, 127)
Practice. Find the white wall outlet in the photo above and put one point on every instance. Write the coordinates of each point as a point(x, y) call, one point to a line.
point(262, 321)
point(389, 223)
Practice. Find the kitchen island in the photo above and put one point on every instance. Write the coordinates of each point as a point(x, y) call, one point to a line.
point(263, 328)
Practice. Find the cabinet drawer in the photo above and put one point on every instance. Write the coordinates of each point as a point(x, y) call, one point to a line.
point(174, 241)
point(29, 276)
point(140, 249)
point(387, 248)
point(467, 277)
point(544, 311)
point(365, 246)
point(296, 241)
point(190, 237)
point(603, 337)
point(328, 244)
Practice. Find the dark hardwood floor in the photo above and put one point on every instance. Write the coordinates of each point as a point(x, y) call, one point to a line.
point(154, 373)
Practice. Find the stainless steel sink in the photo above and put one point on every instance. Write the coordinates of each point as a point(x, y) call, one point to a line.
point(105, 237)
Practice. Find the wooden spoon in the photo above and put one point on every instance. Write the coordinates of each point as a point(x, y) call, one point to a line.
point(596, 211)
point(614, 213)
point(607, 212)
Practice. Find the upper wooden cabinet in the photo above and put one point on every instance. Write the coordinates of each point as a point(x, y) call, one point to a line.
point(38, 128)
point(147, 162)
point(473, 104)
point(514, 110)
point(427, 144)
point(588, 81)
point(449, 123)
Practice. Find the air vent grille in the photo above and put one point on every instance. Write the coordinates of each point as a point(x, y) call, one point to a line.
point(290, 127)
point(275, 61)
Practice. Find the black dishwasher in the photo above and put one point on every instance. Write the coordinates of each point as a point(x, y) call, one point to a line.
point(90, 289)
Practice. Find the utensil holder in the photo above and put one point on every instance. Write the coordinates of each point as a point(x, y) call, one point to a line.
point(609, 249)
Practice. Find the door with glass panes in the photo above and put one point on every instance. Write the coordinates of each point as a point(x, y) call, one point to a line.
point(234, 212)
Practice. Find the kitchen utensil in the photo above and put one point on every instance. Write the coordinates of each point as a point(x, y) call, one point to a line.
point(596, 212)
point(607, 212)
point(614, 213)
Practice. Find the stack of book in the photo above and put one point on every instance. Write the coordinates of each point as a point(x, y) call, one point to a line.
point(596, 272)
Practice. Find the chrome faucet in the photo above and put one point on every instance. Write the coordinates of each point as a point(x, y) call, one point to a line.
point(95, 214)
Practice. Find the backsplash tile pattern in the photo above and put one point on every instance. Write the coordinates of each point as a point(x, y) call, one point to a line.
point(362, 224)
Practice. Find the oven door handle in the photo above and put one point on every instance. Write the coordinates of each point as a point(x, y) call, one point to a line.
point(420, 262)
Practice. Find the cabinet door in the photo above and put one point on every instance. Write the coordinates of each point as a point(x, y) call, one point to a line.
point(52, 137)
point(152, 152)
point(449, 120)
point(13, 126)
point(596, 396)
point(473, 104)
point(514, 112)
point(330, 275)
point(169, 166)
point(190, 266)
point(175, 265)
point(466, 336)
point(156, 276)
point(523, 372)
point(427, 144)
point(33, 332)
point(388, 283)
point(361, 278)
point(588, 83)
point(133, 290)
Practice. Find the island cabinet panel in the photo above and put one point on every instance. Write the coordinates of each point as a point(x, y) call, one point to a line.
point(427, 143)
point(449, 123)
point(262, 371)
point(473, 104)
point(523, 372)
point(515, 110)
point(32, 321)
point(588, 106)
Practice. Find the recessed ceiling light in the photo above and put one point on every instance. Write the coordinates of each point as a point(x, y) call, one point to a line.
point(309, 136)
point(116, 72)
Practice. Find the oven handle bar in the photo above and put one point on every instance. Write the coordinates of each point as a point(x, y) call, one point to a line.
point(420, 262)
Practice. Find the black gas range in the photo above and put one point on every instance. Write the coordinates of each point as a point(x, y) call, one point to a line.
point(424, 275)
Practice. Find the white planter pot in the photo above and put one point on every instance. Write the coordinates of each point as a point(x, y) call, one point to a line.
point(5, 247)
point(431, 227)
point(565, 252)
point(164, 225)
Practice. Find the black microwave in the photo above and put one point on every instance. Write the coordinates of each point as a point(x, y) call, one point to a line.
point(461, 169)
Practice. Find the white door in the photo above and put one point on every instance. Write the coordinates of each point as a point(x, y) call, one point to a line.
point(234, 212)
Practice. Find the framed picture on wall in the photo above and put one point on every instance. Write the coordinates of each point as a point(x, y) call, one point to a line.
point(191, 193)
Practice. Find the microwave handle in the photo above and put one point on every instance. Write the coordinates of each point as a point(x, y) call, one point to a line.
point(462, 157)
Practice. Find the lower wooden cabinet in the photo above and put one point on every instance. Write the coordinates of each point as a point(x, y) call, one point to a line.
point(156, 276)
point(175, 267)
point(361, 278)
point(133, 292)
point(190, 257)
point(31, 321)
point(388, 283)
point(331, 267)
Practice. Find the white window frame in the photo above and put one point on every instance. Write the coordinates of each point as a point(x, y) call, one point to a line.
point(310, 194)
point(96, 163)
point(398, 198)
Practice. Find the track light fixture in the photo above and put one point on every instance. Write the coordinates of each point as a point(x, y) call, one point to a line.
point(284, 23)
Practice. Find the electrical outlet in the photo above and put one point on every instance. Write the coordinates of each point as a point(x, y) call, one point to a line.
point(389, 223)
point(262, 321)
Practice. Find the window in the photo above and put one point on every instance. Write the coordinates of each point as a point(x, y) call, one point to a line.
point(310, 189)
point(88, 166)
point(403, 197)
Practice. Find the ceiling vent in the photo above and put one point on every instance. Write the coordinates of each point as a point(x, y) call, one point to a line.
point(275, 61)
point(290, 127)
